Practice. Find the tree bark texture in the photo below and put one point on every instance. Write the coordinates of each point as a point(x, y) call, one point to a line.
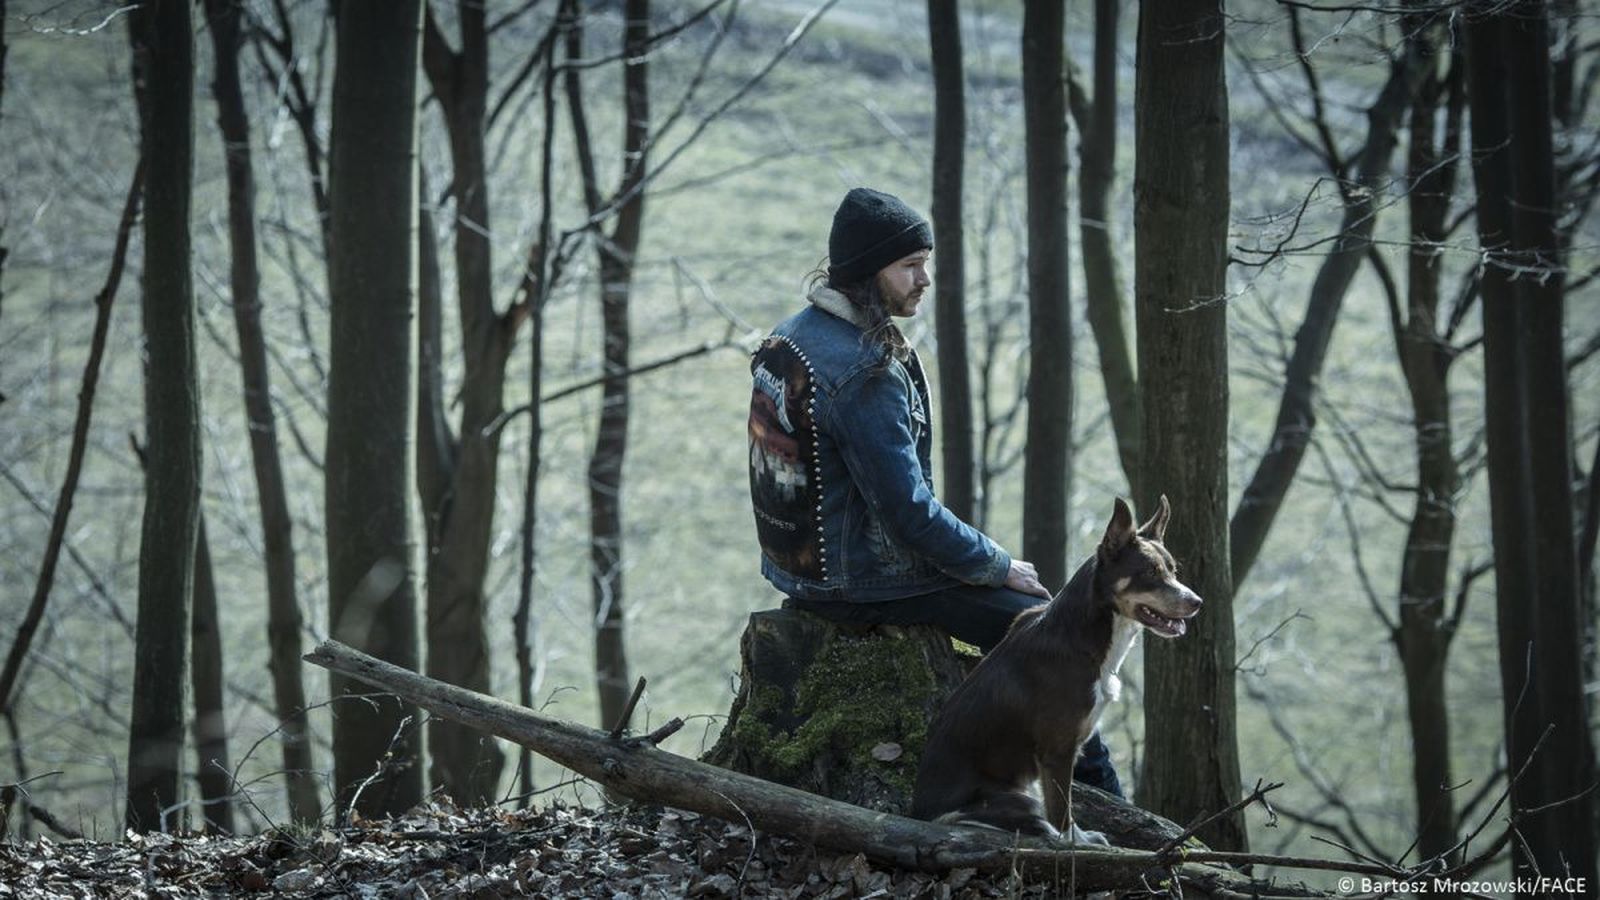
point(1568, 758)
point(1047, 459)
point(522, 620)
point(3, 251)
point(213, 773)
point(277, 526)
point(1096, 118)
point(1181, 195)
point(371, 596)
point(1425, 626)
point(616, 254)
point(1291, 431)
point(3, 48)
point(539, 278)
point(458, 486)
point(1528, 440)
point(163, 72)
point(957, 491)
point(634, 768)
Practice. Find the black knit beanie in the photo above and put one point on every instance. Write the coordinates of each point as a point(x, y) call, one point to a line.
point(872, 229)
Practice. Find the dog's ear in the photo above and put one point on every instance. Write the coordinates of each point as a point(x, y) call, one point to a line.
point(1156, 528)
point(1120, 532)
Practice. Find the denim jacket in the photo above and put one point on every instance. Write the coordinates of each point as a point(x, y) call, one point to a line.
point(841, 475)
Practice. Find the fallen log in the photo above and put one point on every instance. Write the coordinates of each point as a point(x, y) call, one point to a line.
point(635, 769)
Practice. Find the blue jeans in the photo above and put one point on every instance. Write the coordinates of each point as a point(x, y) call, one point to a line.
point(977, 615)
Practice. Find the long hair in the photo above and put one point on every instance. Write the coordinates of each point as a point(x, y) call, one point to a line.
point(867, 296)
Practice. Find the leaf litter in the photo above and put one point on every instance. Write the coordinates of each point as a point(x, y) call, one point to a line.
point(441, 851)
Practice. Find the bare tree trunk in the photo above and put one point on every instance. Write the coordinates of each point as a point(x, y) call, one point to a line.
point(1425, 627)
point(458, 486)
point(522, 620)
point(1529, 442)
point(950, 317)
point(3, 251)
point(213, 772)
point(2, 73)
point(1047, 463)
point(538, 281)
point(1567, 760)
point(1181, 195)
point(163, 72)
point(371, 274)
point(277, 527)
point(1564, 67)
point(1291, 431)
point(1097, 126)
point(616, 253)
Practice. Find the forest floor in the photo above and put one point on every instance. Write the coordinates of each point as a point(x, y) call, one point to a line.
point(439, 851)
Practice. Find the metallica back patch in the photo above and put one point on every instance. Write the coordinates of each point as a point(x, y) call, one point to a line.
point(784, 482)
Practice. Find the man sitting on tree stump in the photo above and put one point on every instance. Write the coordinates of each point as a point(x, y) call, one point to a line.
point(841, 442)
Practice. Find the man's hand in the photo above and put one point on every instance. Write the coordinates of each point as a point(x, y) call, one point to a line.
point(1025, 578)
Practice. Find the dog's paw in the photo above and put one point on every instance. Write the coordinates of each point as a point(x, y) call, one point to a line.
point(1078, 836)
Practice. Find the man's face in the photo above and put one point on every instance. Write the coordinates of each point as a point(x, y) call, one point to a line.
point(902, 283)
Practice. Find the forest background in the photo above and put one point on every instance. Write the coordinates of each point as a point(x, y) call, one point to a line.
point(731, 228)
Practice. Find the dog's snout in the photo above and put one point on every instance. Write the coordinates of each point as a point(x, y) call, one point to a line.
point(1192, 600)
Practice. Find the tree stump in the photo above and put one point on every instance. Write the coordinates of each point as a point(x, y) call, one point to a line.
point(843, 711)
point(838, 710)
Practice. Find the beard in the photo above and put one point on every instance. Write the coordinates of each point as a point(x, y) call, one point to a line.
point(896, 303)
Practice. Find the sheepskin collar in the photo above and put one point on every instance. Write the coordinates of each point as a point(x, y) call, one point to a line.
point(831, 301)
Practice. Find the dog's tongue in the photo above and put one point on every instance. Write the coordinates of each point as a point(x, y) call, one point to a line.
point(1179, 627)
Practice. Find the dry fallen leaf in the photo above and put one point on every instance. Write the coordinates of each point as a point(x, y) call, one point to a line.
point(887, 751)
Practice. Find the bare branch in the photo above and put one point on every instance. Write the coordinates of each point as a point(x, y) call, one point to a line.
point(504, 418)
point(1469, 574)
point(599, 214)
point(1354, 531)
point(80, 440)
point(1257, 795)
point(1332, 794)
point(1319, 114)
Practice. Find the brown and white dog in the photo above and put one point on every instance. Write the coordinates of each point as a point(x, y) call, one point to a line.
point(1020, 718)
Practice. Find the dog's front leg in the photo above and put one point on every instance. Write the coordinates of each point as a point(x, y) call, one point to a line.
point(1055, 780)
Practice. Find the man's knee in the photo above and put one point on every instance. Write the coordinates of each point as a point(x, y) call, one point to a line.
point(1094, 766)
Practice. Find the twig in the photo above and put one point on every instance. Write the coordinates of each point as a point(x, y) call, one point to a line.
point(500, 421)
point(1332, 793)
point(739, 890)
point(29, 780)
point(1297, 614)
point(655, 738)
point(378, 770)
point(627, 711)
point(520, 798)
point(1258, 795)
point(44, 817)
point(1468, 865)
point(600, 213)
point(1341, 494)
point(1319, 119)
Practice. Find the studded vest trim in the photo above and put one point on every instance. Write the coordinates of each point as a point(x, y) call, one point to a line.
point(785, 477)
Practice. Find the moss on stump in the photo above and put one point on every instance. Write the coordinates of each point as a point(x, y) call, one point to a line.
point(837, 710)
